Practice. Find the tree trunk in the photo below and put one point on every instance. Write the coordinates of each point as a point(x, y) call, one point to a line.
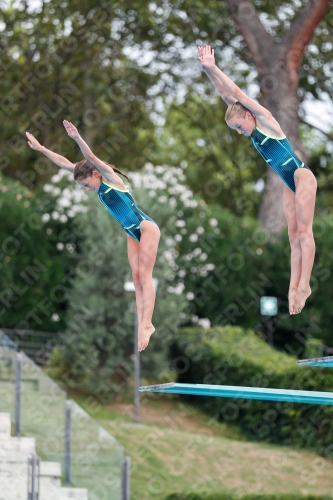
point(277, 63)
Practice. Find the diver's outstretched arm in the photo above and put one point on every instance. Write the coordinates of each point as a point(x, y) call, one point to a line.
point(219, 87)
point(59, 160)
point(207, 60)
point(105, 169)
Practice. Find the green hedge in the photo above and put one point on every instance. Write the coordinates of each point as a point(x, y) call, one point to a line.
point(226, 496)
point(234, 356)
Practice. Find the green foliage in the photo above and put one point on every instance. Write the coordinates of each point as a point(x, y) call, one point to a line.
point(33, 271)
point(222, 168)
point(107, 66)
point(222, 263)
point(56, 366)
point(228, 159)
point(232, 356)
point(228, 265)
point(316, 318)
point(313, 348)
point(68, 61)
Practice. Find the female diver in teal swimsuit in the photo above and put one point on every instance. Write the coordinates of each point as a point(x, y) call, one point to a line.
point(299, 195)
point(142, 232)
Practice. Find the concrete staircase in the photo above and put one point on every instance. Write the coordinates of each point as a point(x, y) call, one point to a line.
point(14, 454)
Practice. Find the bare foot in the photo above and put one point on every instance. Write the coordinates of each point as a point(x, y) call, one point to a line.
point(291, 300)
point(144, 335)
point(301, 295)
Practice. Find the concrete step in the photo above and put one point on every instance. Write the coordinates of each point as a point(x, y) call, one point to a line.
point(50, 484)
point(50, 476)
point(14, 453)
point(5, 425)
point(73, 494)
point(14, 480)
point(21, 445)
point(63, 494)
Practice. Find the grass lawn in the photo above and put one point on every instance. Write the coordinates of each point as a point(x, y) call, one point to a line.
point(178, 449)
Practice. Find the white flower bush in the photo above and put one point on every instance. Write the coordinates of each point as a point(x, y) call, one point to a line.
point(166, 186)
point(169, 180)
point(70, 197)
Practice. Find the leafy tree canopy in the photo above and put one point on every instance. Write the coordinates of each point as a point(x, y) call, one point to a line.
point(115, 68)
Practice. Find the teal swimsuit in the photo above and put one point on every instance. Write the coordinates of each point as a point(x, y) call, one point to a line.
point(279, 155)
point(122, 207)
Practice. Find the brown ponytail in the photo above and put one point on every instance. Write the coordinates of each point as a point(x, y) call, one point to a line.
point(84, 169)
point(117, 171)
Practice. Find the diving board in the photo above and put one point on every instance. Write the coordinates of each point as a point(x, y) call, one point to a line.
point(327, 361)
point(228, 391)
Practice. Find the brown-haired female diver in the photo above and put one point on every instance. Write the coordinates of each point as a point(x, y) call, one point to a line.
point(142, 232)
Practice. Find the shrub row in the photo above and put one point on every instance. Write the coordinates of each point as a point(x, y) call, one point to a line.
point(234, 356)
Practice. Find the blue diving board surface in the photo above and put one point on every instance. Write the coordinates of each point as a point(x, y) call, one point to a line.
point(327, 361)
point(228, 391)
